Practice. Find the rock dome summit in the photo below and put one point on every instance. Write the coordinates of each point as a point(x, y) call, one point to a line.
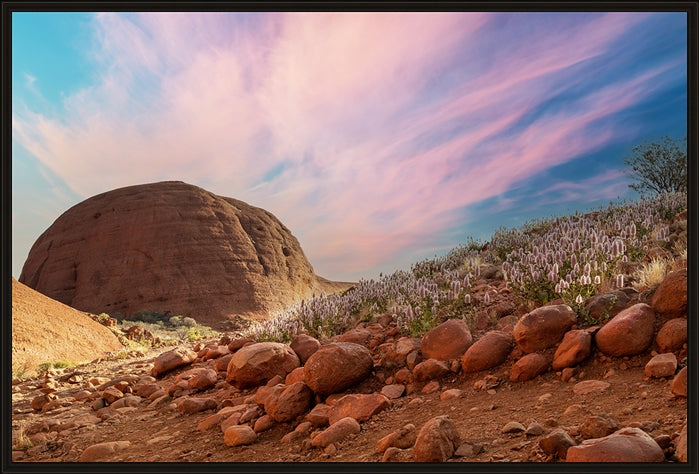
point(171, 246)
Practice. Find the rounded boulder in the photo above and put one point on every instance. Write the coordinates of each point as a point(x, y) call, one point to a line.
point(575, 348)
point(529, 367)
point(544, 327)
point(98, 452)
point(294, 401)
point(679, 383)
point(489, 351)
point(631, 445)
point(447, 341)
point(662, 365)
point(337, 366)
point(360, 406)
point(430, 369)
point(239, 435)
point(171, 360)
point(200, 378)
point(337, 432)
point(670, 298)
point(628, 333)
point(672, 335)
point(255, 364)
point(607, 305)
point(437, 440)
point(304, 346)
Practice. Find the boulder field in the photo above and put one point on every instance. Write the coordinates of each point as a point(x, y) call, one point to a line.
point(503, 393)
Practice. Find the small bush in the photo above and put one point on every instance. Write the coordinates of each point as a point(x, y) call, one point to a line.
point(189, 322)
point(659, 167)
point(175, 321)
point(60, 364)
point(120, 354)
point(170, 330)
point(199, 332)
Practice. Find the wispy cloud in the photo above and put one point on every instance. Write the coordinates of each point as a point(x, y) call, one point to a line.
point(362, 132)
point(29, 80)
point(602, 186)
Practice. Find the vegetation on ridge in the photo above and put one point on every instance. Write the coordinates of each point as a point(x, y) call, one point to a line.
point(659, 167)
point(569, 258)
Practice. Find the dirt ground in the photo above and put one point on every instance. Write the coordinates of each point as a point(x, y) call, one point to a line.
point(166, 435)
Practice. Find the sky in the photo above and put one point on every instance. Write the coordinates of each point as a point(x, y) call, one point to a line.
point(378, 139)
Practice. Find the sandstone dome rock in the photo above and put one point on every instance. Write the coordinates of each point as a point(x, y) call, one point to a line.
point(171, 246)
point(44, 330)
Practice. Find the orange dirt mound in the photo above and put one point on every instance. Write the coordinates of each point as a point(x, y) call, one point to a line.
point(44, 330)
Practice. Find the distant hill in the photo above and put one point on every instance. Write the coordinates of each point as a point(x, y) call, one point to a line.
point(173, 247)
point(44, 330)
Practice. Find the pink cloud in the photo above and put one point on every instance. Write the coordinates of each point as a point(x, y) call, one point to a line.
point(335, 100)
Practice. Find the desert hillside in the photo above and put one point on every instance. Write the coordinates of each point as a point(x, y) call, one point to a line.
point(477, 356)
point(373, 395)
point(171, 247)
point(44, 330)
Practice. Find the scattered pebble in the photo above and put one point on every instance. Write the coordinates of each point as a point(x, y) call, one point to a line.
point(330, 449)
point(534, 429)
point(513, 427)
point(416, 402)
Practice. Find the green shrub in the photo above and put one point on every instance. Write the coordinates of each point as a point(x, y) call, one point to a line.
point(152, 317)
point(175, 321)
point(199, 332)
point(189, 322)
point(59, 364)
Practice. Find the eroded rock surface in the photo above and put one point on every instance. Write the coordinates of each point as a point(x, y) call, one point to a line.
point(170, 246)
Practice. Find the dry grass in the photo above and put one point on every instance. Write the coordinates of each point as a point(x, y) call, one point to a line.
point(21, 440)
point(680, 248)
point(24, 372)
point(652, 273)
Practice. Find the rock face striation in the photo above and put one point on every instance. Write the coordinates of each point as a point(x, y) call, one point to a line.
point(171, 246)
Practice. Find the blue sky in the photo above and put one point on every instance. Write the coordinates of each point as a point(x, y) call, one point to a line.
point(378, 139)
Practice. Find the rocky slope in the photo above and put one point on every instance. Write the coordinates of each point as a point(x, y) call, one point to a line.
point(44, 330)
point(532, 387)
point(174, 247)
